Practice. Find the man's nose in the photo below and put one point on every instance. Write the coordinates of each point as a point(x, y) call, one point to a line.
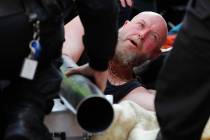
point(143, 33)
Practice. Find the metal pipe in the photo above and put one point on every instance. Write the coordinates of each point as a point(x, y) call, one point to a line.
point(94, 113)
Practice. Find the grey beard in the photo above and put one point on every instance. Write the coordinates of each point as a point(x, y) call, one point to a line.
point(129, 60)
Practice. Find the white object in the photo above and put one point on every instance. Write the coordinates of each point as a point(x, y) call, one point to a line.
point(29, 69)
point(139, 133)
point(110, 98)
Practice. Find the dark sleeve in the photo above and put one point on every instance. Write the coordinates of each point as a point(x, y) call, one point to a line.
point(99, 18)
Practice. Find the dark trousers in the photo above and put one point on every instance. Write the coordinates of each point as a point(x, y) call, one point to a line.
point(183, 90)
point(24, 104)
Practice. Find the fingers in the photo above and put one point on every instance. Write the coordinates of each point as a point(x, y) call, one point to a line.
point(72, 71)
point(129, 2)
point(84, 70)
point(100, 77)
point(125, 3)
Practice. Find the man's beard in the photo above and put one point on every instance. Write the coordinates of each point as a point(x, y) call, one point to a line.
point(129, 59)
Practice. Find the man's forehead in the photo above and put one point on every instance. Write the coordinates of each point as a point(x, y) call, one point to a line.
point(137, 18)
point(145, 16)
point(154, 20)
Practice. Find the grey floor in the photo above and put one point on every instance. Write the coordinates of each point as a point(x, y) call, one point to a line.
point(63, 120)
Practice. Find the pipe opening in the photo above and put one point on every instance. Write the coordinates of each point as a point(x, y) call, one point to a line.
point(95, 114)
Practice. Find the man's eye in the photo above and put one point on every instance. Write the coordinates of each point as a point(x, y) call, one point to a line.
point(155, 37)
point(141, 25)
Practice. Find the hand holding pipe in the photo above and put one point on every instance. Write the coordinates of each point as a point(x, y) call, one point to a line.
point(94, 113)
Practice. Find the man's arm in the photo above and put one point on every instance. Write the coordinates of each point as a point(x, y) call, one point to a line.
point(99, 19)
point(73, 48)
point(142, 97)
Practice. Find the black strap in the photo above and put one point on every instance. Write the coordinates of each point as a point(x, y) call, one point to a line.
point(122, 90)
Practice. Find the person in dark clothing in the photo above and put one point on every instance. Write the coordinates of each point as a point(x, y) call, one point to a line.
point(148, 72)
point(138, 40)
point(182, 101)
point(32, 34)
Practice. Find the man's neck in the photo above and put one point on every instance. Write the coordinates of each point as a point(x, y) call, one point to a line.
point(119, 74)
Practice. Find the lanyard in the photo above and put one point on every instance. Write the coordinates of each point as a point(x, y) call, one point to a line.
point(30, 63)
point(34, 44)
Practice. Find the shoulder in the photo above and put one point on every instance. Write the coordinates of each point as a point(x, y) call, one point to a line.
point(139, 89)
point(139, 93)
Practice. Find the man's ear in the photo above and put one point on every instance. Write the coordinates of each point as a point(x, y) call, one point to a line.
point(126, 22)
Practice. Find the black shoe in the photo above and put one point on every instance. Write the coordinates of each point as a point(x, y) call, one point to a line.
point(24, 121)
point(23, 131)
point(16, 132)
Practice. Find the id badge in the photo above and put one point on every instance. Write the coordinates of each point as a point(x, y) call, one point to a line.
point(29, 69)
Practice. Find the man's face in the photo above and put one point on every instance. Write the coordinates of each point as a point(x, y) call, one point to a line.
point(140, 39)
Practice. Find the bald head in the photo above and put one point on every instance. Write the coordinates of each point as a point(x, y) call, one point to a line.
point(154, 21)
point(141, 38)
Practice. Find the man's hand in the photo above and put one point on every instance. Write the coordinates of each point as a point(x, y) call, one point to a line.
point(100, 77)
point(125, 3)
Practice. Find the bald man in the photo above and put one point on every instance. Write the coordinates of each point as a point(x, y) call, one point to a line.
point(139, 40)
